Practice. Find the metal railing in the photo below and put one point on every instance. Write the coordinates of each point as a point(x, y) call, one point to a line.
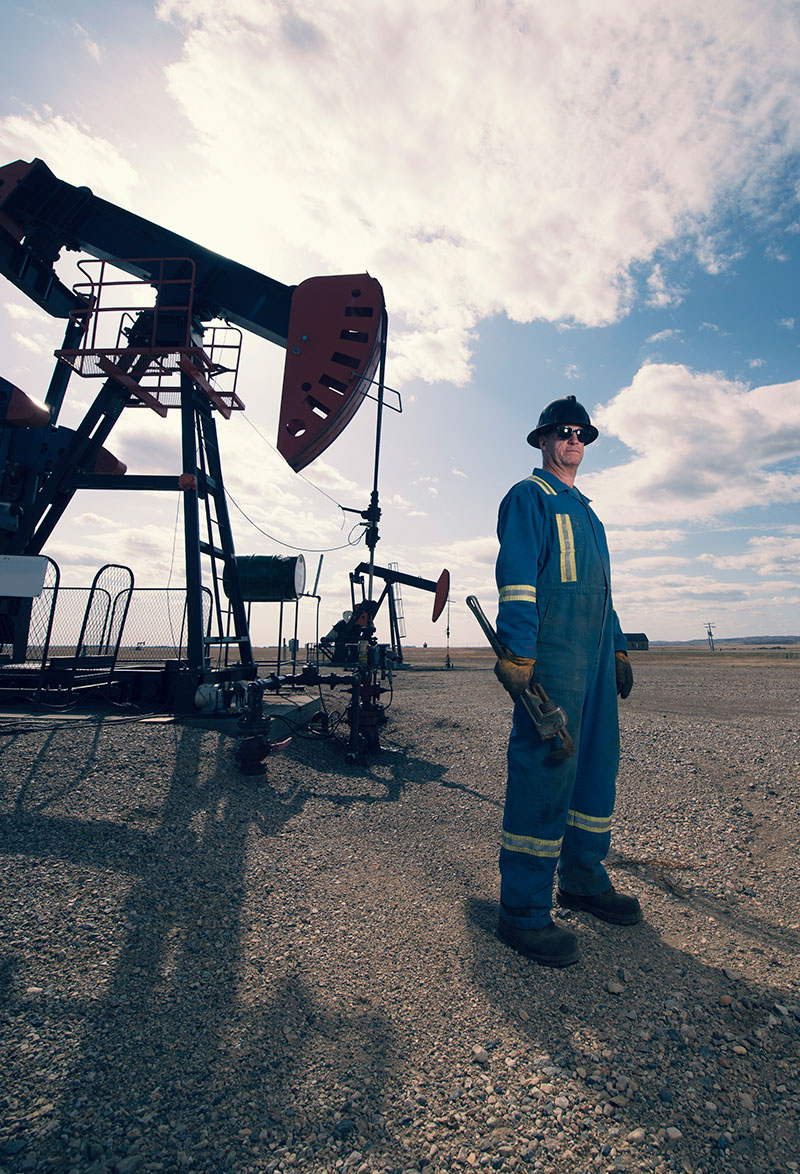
point(64, 624)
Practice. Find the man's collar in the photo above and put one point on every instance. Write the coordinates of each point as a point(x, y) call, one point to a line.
point(559, 485)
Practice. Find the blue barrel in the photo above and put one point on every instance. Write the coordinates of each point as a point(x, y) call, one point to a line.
point(268, 578)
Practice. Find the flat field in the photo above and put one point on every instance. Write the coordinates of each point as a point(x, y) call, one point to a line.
point(210, 972)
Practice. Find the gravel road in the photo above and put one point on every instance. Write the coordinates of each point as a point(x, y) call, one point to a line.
point(207, 972)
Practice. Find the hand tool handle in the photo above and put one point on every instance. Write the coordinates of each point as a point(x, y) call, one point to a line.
point(549, 719)
point(488, 630)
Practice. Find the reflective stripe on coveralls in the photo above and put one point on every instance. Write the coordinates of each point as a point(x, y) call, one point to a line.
point(517, 592)
point(553, 578)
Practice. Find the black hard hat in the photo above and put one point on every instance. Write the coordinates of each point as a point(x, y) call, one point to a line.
point(563, 411)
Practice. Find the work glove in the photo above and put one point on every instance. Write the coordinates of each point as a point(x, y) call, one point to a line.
point(624, 674)
point(514, 672)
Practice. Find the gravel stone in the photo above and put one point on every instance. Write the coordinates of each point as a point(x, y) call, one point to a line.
point(204, 971)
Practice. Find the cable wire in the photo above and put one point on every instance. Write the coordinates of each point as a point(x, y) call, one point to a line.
point(291, 545)
point(272, 538)
point(274, 449)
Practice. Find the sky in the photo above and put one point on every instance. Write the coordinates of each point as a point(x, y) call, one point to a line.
point(594, 198)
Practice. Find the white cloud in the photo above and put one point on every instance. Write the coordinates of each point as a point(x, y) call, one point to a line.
point(766, 554)
point(94, 522)
point(681, 592)
point(649, 539)
point(91, 47)
point(787, 323)
point(702, 447)
point(396, 501)
point(33, 341)
point(23, 313)
point(655, 563)
point(334, 482)
point(470, 552)
point(664, 335)
point(659, 293)
point(682, 604)
point(147, 546)
point(458, 473)
point(713, 255)
point(463, 215)
point(38, 335)
point(71, 151)
point(756, 362)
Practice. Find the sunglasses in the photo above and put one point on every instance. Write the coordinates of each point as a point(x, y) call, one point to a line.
point(563, 432)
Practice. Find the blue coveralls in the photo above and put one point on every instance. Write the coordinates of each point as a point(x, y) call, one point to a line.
point(553, 578)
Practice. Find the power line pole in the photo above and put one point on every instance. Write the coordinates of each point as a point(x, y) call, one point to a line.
point(710, 630)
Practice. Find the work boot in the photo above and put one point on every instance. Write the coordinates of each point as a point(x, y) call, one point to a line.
point(608, 906)
point(549, 946)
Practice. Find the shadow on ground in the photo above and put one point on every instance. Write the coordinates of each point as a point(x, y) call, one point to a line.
point(159, 1054)
point(714, 1041)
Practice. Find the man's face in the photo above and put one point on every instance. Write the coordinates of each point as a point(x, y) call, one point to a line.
point(562, 454)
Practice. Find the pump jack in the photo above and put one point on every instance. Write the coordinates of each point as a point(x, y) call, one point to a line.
point(164, 355)
point(342, 641)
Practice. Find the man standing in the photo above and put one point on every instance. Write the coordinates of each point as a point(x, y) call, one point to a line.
point(557, 625)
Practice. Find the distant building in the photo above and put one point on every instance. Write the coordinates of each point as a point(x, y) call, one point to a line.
point(637, 641)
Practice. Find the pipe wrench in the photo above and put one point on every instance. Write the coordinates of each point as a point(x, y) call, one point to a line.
point(549, 719)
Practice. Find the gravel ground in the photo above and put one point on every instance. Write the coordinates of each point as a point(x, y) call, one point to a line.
point(202, 971)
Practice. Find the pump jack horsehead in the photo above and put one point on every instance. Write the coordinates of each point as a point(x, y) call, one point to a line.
point(166, 351)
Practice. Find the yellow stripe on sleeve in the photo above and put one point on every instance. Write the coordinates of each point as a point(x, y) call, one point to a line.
point(517, 593)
